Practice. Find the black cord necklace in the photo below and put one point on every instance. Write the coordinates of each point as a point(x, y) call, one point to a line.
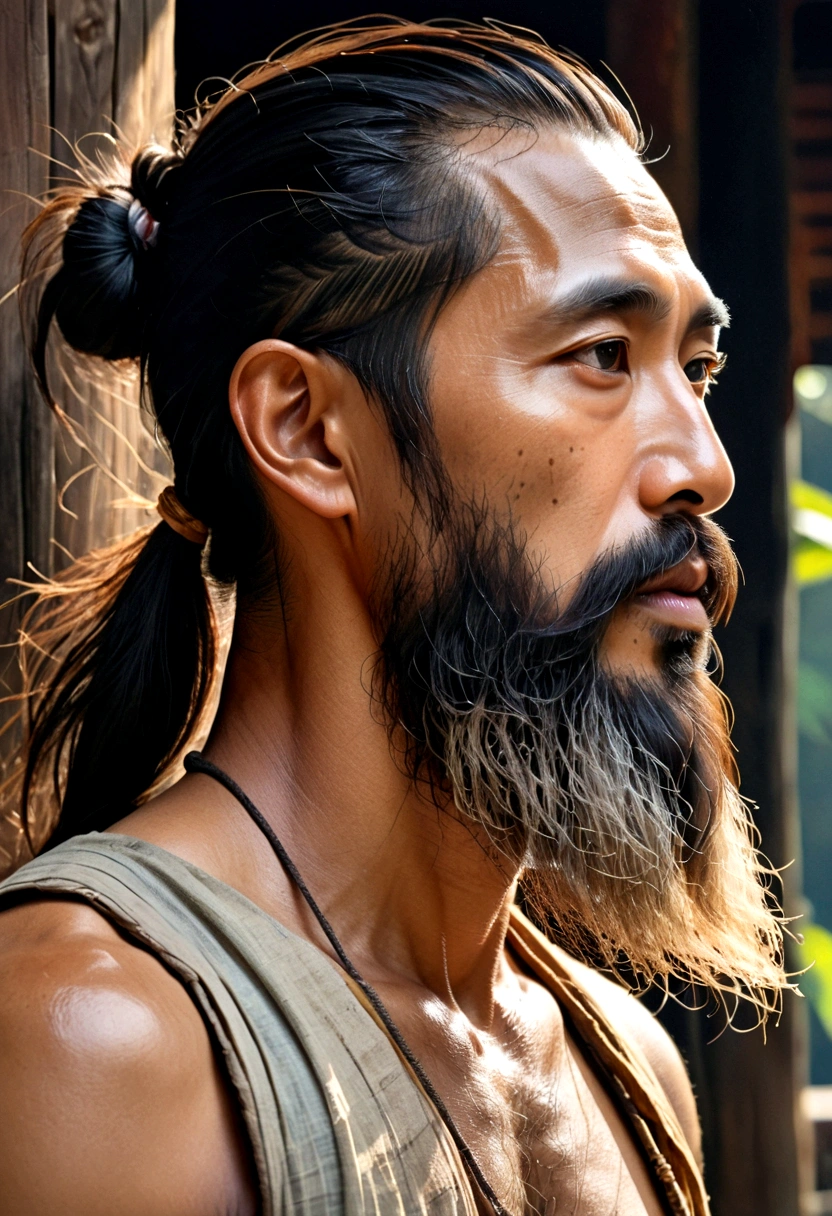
point(195, 762)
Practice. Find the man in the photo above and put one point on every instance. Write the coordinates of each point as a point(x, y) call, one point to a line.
point(463, 492)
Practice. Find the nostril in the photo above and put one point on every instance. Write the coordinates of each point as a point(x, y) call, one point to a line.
point(689, 496)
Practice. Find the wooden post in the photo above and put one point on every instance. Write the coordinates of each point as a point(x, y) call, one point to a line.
point(67, 68)
point(27, 479)
point(650, 44)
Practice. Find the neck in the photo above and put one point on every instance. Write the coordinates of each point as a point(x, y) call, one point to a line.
point(409, 888)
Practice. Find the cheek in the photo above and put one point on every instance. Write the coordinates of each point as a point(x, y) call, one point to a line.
point(566, 480)
point(513, 431)
point(562, 460)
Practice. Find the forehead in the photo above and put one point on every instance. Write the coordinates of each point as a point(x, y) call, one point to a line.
point(574, 207)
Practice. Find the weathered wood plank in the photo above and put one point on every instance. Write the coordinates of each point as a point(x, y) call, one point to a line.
point(26, 464)
point(111, 61)
point(144, 98)
point(83, 72)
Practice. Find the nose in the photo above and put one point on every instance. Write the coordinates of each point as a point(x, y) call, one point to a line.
point(685, 466)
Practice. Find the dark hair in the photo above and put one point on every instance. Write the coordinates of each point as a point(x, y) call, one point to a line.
point(321, 199)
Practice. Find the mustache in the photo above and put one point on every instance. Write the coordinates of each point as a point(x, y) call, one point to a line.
point(486, 629)
point(617, 575)
point(494, 625)
point(617, 795)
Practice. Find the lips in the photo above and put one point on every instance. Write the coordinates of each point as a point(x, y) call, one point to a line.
point(688, 578)
point(674, 597)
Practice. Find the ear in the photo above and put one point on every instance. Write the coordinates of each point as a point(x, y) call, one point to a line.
point(288, 405)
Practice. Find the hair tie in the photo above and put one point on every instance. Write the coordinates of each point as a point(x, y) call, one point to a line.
point(142, 224)
point(176, 517)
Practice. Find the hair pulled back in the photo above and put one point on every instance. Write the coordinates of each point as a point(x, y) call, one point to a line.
point(320, 199)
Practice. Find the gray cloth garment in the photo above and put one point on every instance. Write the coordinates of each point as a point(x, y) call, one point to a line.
point(337, 1124)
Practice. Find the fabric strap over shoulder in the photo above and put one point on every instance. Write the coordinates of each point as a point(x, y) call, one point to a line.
point(336, 1122)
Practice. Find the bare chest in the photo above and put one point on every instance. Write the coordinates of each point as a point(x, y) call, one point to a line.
point(549, 1139)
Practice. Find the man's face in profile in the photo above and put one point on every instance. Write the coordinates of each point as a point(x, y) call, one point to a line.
point(569, 376)
point(546, 652)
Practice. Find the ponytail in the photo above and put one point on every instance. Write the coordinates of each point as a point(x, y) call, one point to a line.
point(118, 654)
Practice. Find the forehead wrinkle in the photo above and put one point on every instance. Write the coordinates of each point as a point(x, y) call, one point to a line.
point(538, 213)
point(630, 231)
point(631, 221)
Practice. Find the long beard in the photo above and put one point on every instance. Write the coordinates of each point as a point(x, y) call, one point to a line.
point(617, 796)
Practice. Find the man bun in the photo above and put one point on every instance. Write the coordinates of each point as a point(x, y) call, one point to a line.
point(97, 306)
point(99, 294)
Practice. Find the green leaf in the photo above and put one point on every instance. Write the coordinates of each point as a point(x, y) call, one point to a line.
point(806, 497)
point(814, 704)
point(812, 523)
point(813, 390)
point(811, 563)
point(816, 952)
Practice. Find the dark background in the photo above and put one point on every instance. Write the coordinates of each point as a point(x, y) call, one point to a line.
point(209, 44)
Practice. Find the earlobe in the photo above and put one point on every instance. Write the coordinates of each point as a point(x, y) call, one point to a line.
point(287, 406)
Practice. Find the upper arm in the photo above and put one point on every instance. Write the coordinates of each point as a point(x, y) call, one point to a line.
point(627, 1013)
point(111, 1099)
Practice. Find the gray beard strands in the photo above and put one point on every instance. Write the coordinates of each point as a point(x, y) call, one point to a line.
point(616, 795)
point(606, 826)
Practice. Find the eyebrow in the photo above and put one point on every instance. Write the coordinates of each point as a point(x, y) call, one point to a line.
point(602, 294)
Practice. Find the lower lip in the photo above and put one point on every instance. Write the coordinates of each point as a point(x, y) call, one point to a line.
point(676, 610)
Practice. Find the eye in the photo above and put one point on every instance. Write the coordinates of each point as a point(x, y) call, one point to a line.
point(705, 369)
point(609, 356)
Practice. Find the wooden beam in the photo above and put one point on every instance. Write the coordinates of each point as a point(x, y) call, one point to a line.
point(649, 46)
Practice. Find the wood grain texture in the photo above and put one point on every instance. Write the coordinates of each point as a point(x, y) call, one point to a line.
point(25, 450)
point(72, 72)
point(27, 490)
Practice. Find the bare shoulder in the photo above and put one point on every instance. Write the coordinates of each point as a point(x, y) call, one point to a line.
point(638, 1024)
point(107, 1065)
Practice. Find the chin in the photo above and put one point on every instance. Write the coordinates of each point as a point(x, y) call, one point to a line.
point(682, 651)
point(616, 792)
